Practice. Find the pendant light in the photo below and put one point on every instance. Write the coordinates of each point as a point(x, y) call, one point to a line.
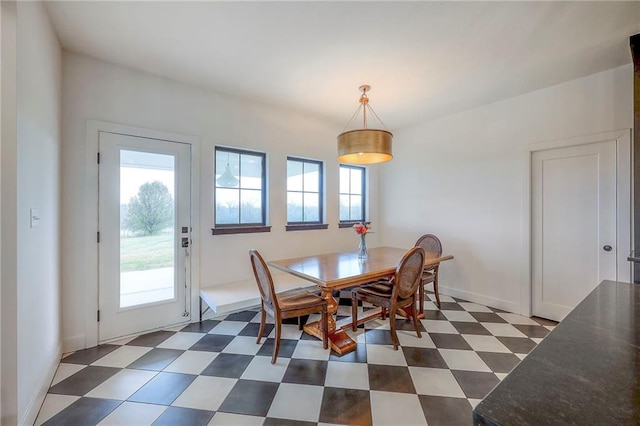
point(227, 179)
point(364, 146)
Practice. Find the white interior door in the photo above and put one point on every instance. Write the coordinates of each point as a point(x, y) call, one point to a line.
point(573, 225)
point(144, 234)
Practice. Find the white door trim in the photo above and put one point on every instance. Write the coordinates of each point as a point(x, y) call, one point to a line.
point(623, 204)
point(94, 128)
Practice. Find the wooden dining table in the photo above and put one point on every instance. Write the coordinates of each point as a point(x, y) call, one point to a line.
point(335, 271)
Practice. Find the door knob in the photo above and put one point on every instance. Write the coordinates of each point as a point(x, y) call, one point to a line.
point(607, 248)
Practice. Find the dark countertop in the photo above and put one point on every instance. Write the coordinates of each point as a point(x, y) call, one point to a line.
point(586, 371)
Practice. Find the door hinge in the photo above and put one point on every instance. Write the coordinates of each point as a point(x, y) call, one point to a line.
point(98, 159)
point(98, 315)
point(98, 236)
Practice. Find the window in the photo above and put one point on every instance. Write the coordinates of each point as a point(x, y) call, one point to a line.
point(352, 194)
point(304, 192)
point(240, 193)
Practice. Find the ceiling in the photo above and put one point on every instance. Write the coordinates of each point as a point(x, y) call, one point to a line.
point(423, 59)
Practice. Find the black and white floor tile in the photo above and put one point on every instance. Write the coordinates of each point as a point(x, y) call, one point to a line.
point(214, 373)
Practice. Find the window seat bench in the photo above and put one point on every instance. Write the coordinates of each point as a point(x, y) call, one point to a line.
point(239, 295)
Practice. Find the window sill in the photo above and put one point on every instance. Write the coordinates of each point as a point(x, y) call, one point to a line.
point(349, 224)
point(307, 227)
point(240, 230)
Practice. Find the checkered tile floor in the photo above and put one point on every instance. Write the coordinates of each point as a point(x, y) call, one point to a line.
point(214, 373)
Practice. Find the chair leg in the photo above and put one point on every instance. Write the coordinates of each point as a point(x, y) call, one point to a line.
point(325, 328)
point(421, 295)
point(435, 290)
point(299, 324)
point(276, 346)
point(354, 312)
point(392, 326)
point(263, 319)
point(415, 320)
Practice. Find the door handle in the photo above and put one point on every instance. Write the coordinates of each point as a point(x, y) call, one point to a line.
point(607, 248)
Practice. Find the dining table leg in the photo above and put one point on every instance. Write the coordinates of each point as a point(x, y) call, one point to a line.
point(339, 340)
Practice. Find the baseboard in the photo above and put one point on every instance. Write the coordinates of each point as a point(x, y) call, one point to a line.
point(31, 413)
point(480, 299)
point(505, 305)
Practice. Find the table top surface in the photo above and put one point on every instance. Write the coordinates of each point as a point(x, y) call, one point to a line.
point(339, 270)
point(584, 372)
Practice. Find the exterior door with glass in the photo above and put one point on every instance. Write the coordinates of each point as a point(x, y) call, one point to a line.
point(144, 234)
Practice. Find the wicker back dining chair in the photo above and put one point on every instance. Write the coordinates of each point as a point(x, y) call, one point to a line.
point(430, 243)
point(399, 292)
point(284, 306)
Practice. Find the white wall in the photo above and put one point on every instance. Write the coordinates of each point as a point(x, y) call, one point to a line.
point(101, 91)
point(460, 177)
point(8, 149)
point(38, 186)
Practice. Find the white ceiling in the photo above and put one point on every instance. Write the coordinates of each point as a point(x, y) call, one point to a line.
point(423, 59)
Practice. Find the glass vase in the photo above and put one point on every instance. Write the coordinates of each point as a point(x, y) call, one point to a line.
point(362, 248)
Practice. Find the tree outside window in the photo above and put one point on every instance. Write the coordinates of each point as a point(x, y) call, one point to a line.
point(151, 211)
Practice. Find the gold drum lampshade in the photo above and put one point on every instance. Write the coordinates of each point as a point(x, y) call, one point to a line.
point(364, 146)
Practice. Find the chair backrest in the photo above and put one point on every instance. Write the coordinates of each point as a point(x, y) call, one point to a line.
point(409, 273)
point(263, 279)
point(430, 242)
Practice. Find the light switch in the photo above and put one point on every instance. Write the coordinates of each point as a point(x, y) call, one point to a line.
point(35, 217)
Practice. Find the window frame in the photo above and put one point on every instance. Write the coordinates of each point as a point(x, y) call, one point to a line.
point(316, 224)
point(349, 223)
point(241, 228)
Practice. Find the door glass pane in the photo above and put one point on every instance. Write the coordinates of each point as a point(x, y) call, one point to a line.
point(147, 237)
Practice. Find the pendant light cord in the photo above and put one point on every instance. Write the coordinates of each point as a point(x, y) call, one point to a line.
point(364, 106)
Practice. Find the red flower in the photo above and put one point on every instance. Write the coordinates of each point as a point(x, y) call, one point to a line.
point(362, 228)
